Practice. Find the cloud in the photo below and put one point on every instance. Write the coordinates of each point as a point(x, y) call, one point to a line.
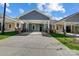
point(57, 18)
point(21, 10)
point(51, 7)
point(7, 4)
point(40, 6)
point(2, 4)
point(56, 7)
point(8, 10)
point(7, 7)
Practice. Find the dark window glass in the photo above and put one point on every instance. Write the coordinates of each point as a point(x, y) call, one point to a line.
point(9, 25)
point(17, 25)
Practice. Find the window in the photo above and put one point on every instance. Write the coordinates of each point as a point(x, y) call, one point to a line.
point(57, 27)
point(9, 25)
point(17, 25)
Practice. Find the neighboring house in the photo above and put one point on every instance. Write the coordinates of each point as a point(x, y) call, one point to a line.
point(9, 23)
point(35, 20)
point(70, 24)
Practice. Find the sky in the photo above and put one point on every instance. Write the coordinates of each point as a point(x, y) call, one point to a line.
point(57, 11)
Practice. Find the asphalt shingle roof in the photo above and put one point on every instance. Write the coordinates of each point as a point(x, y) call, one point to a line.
point(34, 15)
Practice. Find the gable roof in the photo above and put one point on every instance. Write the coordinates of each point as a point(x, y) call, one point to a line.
point(71, 18)
point(36, 14)
point(7, 18)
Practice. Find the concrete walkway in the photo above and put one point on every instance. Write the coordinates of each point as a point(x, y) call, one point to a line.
point(33, 44)
point(73, 35)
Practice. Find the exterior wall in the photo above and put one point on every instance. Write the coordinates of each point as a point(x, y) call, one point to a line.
point(7, 28)
point(59, 28)
point(75, 29)
point(10, 26)
point(8, 22)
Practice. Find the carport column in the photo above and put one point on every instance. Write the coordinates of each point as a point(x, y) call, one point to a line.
point(20, 25)
point(71, 28)
point(74, 29)
point(28, 26)
point(44, 27)
point(16, 24)
point(55, 27)
point(64, 30)
point(48, 26)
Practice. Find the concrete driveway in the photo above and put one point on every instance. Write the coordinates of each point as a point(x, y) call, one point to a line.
point(33, 44)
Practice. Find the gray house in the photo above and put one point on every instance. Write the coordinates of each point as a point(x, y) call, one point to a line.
point(35, 20)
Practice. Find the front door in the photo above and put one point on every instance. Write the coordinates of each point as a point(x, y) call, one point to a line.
point(35, 27)
point(41, 27)
point(24, 27)
point(68, 29)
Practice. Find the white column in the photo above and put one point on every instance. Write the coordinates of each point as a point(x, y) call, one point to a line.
point(74, 28)
point(71, 28)
point(28, 26)
point(64, 28)
point(48, 26)
point(44, 27)
point(15, 25)
point(19, 25)
point(55, 27)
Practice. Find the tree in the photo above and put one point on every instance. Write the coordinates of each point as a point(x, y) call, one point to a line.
point(3, 24)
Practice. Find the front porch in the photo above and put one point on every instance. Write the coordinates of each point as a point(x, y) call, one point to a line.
point(69, 27)
point(27, 26)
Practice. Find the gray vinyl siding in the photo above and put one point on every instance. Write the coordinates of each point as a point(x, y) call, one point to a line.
point(34, 15)
point(72, 18)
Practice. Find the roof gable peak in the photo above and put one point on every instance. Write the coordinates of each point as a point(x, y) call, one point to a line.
point(34, 10)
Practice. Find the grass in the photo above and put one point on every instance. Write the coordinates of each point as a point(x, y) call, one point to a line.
point(7, 34)
point(66, 40)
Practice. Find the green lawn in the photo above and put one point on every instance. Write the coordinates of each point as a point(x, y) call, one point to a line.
point(7, 34)
point(68, 41)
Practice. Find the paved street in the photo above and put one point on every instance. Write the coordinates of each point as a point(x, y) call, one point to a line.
point(33, 44)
